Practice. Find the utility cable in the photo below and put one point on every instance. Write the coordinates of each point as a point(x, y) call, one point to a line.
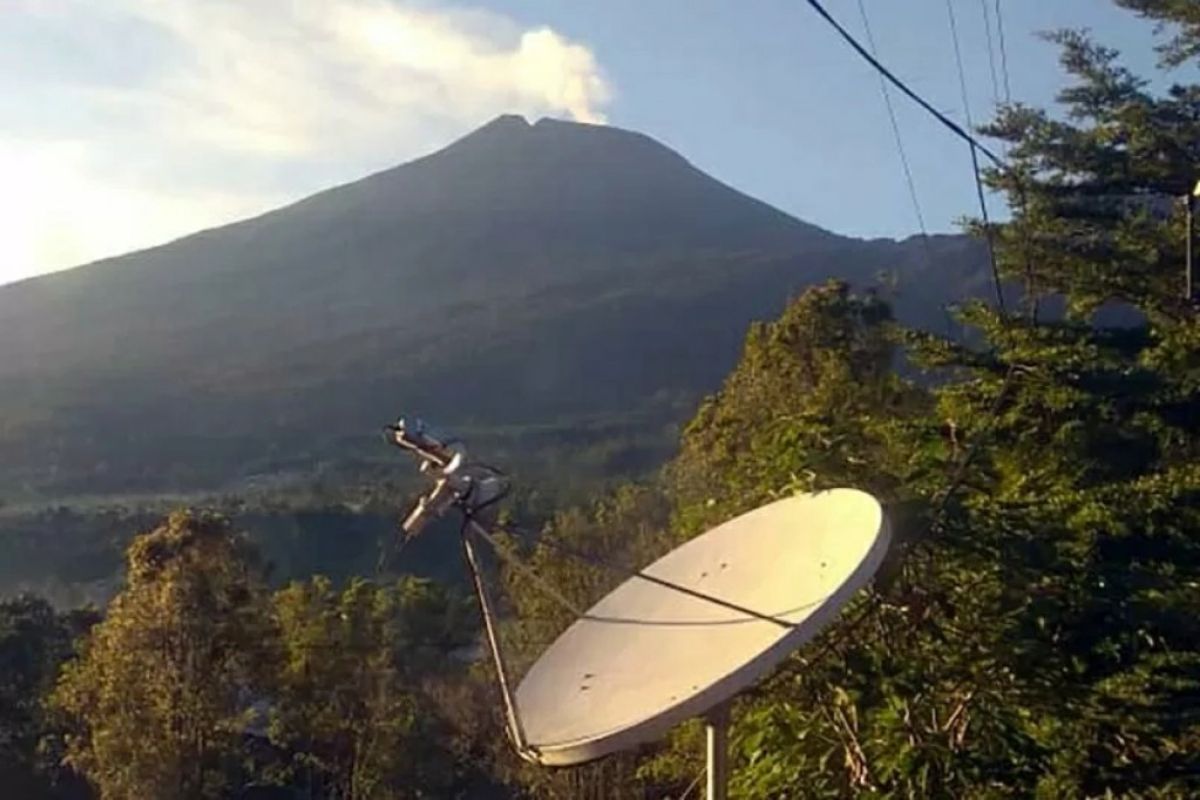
point(628, 573)
point(975, 144)
point(950, 124)
point(891, 112)
point(966, 100)
point(1003, 53)
point(988, 234)
point(958, 59)
point(987, 25)
point(908, 176)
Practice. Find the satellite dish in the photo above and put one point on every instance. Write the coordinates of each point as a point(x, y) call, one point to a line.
point(648, 655)
point(678, 639)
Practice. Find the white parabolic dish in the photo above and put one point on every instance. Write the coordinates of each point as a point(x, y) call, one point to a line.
point(647, 657)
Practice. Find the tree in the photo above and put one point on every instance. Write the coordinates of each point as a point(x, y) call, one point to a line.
point(348, 699)
point(816, 402)
point(813, 402)
point(1184, 45)
point(1040, 636)
point(1096, 448)
point(1035, 632)
point(34, 641)
point(165, 688)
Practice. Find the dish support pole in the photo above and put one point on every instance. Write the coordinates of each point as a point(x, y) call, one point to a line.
point(716, 727)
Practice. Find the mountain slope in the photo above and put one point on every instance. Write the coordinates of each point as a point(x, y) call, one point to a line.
point(554, 276)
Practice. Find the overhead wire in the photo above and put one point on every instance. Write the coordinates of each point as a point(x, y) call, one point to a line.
point(991, 49)
point(958, 130)
point(976, 147)
point(1003, 53)
point(962, 463)
point(927, 248)
point(958, 59)
point(891, 112)
point(948, 123)
point(989, 236)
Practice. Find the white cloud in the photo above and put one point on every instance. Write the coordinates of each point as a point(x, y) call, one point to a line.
point(134, 121)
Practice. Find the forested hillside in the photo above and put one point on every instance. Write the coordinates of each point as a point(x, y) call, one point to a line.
point(1034, 632)
point(543, 288)
point(561, 294)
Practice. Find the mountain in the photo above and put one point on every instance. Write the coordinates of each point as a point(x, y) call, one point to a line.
point(554, 284)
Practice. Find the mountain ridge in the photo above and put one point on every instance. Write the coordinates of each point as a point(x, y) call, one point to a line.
point(523, 274)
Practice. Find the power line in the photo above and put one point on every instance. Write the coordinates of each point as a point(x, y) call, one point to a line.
point(549, 590)
point(987, 25)
point(958, 59)
point(891, 112)
point(983, 209)
point(950, 124)
point(989, 236)
point(976, 146)
point(1003, 52)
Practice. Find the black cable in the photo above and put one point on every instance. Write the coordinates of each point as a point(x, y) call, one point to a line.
point(989, 234)
point(987, 25)
point(1003, 52)
point(630, 572)
point(987, 226)
point(950, 124)
point(627, 573)
point(891, 112)
point(958, 59)
point(976, 145)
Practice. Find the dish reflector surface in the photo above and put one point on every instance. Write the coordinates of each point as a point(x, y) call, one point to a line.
point(647, 657)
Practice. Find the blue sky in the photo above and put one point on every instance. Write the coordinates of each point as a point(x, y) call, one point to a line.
point(763, 95)
point(127, 123)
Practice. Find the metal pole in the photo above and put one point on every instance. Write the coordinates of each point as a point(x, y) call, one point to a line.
point(717, 752)
point(485, 609)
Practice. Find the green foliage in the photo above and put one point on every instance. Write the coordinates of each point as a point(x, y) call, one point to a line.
point(812, 403)
point(1096, 445)
point(34, 641)
point(1035, 632)
point(347, 700)
point(163, 690)
point(1184, 44)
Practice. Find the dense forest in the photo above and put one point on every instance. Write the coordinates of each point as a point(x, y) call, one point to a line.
point(1035, 631)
